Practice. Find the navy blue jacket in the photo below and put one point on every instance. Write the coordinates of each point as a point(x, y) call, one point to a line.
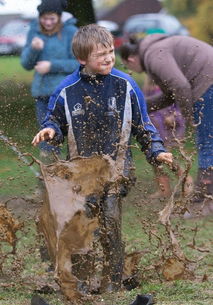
point(99, 113)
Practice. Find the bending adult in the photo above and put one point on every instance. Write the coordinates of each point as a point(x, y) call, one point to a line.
point(182, 67)
point(48, 51)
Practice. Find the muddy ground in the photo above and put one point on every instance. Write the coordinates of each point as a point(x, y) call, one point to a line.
point(139, 211)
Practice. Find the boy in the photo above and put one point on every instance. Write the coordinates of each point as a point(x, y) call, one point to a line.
point(98, 108)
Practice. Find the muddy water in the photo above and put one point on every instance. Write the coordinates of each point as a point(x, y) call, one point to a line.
point(8, 227)
point(74, 216)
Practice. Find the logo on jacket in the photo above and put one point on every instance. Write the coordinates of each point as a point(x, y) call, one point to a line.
point(112, 107)
point(78, 110)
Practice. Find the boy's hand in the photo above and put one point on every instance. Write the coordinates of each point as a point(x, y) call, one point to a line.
point(165, 157)
point(43, 135)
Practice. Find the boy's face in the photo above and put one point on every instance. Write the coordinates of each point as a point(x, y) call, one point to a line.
point(100, 61)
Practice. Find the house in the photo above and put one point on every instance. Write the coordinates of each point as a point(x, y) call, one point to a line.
point(127, 8)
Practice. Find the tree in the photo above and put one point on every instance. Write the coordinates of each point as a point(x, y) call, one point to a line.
point(83, 10)
point(195, 14)
point(181, 8)
point(205, 24)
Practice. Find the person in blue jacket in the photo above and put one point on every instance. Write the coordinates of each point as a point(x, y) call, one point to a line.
point(98, 108)
point(48, 51)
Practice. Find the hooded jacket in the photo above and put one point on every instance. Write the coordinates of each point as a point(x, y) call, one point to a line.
point(182, 67)
point(99, 114)
point(57, 49)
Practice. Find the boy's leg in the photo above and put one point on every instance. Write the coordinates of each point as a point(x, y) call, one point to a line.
point(113, 247)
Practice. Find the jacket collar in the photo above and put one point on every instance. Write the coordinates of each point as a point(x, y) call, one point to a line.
point(96, 78)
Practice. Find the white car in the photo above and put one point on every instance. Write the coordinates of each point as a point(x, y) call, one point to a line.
point(13, 36)
point(143, 24)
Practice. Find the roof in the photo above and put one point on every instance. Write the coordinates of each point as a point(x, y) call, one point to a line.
point(128, 8)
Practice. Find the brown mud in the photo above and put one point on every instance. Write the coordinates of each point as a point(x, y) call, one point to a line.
point(71, 225)
point(70, 220)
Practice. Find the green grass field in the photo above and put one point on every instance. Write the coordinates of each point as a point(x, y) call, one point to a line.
point(17, 116)
point(24, 272)
point(11, 69)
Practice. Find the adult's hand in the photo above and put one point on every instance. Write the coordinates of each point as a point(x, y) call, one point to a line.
point(43, 66)
point(37, 43)
point(170, 121)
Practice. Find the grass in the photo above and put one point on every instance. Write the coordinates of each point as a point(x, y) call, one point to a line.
point(18, 125)
point(11, 69)
point(26, 271)
point(16, 178)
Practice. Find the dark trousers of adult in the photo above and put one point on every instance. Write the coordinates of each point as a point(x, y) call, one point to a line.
point(203, 117)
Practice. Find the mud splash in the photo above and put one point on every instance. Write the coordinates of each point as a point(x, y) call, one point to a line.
point(71, 220)
point(8, 227)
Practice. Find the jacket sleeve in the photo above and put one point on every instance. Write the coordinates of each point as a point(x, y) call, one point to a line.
point(165, 71)
point(56, 117)
point(142, 128)
point(29, 56)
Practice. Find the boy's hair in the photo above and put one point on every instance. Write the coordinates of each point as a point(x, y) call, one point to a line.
point(87, 37)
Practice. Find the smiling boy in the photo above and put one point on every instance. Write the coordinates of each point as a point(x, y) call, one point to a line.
point(99, 107)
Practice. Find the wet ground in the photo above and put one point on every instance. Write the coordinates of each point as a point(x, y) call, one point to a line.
point(145, 214)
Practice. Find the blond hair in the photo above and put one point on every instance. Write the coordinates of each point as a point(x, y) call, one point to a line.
point(87, 37)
